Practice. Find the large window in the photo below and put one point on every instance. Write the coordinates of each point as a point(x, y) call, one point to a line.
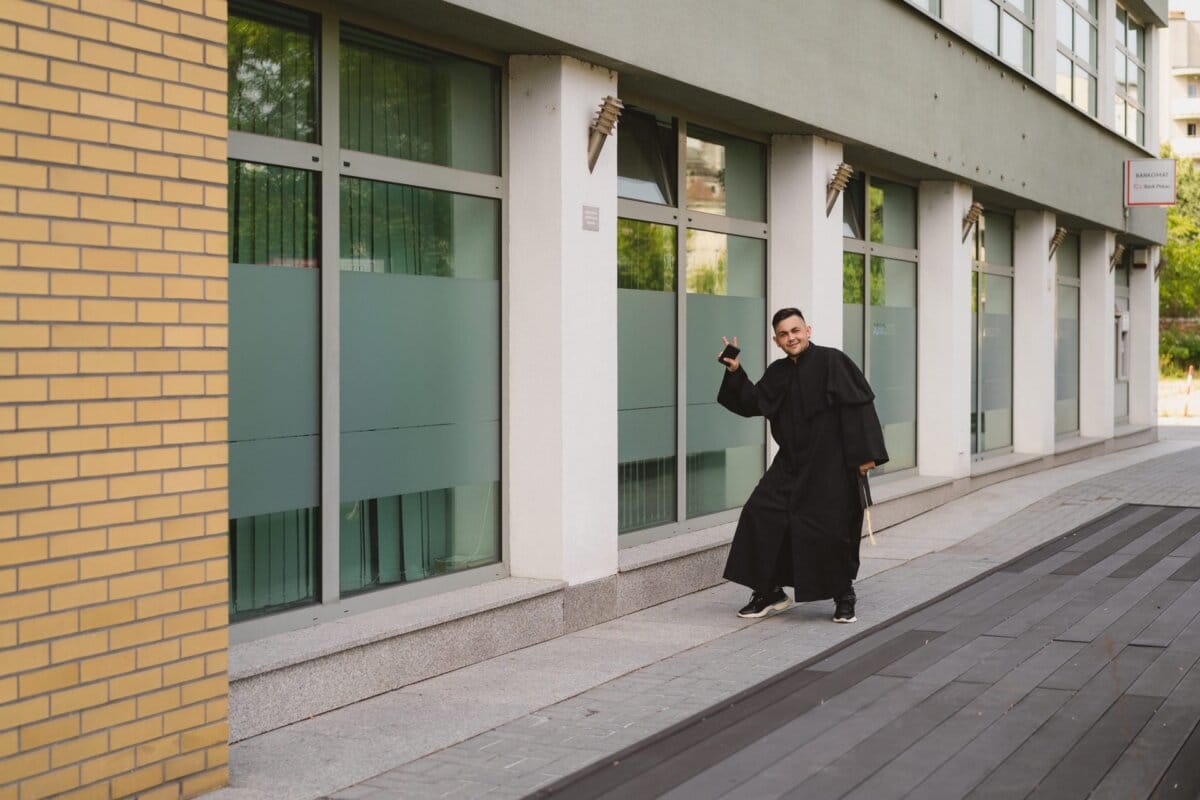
point(1066, 339)
point(1129, 74)
point(992, 326)
point(879, 296)
point(1077, 57)
point(691, 268)
point(1005, 28)
point(396, 242)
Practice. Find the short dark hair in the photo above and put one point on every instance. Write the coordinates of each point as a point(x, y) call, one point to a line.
point(783, 314)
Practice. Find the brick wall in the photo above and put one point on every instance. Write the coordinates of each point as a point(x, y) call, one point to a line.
point(113, 384)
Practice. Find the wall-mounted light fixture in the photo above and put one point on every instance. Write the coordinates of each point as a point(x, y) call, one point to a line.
point(1056, 240)
point(841, 177)
point(1141, 257)
point(971, 218)
point(602, 127)
point(1118, 251)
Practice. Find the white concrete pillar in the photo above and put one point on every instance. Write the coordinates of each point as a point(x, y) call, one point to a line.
point(1097, 334)
point(561, 311)
point(1034, 329)
point(805, 248)
point(944, 337)
point(1044, 42)
point(1143, 343)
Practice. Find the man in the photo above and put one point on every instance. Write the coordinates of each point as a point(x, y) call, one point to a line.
point(802, 525)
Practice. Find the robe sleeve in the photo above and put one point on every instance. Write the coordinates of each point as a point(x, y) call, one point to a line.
point(738, 394)
point(862, 434)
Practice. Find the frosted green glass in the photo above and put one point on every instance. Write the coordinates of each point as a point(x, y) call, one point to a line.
point(892, 356)
point(995, 371)
point(1066, 361)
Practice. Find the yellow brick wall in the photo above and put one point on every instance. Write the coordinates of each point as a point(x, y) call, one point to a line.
point(113, 463)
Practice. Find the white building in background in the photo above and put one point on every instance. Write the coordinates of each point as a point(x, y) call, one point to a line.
point(1180, 81)
point(489, 417)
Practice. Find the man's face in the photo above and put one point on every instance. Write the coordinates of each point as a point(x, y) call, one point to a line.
point(791, 334)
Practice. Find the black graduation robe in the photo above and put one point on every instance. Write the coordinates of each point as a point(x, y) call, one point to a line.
point(802, 524)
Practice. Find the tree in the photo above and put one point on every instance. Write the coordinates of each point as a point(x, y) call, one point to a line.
point(1179, 288)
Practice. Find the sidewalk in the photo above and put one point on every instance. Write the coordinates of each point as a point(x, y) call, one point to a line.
point(505, 727)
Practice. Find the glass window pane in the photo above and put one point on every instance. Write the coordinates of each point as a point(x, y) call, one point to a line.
point(1136, 41)
point(893, 213)
point(408, 537)
point(997, 239)
point(272, 215)
point(1013, 42)
point(272, 562)
point(1137, 81)
point(420, 381)
point(647, 157)
point(646, 382)
point(996, 356)
point(853, 205)
point(1064, 23)
point(1066, 361)
point(1062, 76)
point(1067, 256)
point(1119, 115)
point(1140, 133)
point(1084, 34)
point(1119, 70)
point(892, 355)
point(272, 72)
point(390, 227)
point(1122, 19)
point(1024, 6)
point(853, 343)
point(986, 27)
point(402, 100)
point(1027, 50)
point(726, 174)
point(725, 453)
point(1090, 5)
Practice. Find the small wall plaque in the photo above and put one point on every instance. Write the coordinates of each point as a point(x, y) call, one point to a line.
point(591, 218)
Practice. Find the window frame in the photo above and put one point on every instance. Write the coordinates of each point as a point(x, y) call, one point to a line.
point(1079, 10)
point(683, 219)
point(331, 163)
point(1131, 58)
point(980, 268)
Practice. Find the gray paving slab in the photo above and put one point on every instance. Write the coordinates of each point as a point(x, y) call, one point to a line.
point(1141, 601)
point(1021, 772)
point(959, 775)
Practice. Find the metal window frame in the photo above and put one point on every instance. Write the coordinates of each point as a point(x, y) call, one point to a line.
point(1075, 281)
point(684, 219)
point(867, 249)
point(1069, 53)
point(1122, 47)
point(332, 163)
point(981, 268)
point(1027, 21)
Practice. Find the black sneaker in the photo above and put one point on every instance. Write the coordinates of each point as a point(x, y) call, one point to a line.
point(844, 612)
point(762, 604)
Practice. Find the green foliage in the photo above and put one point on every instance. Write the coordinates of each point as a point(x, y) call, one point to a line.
point(645, 256)
point(1178, 346)
point(1179, 287)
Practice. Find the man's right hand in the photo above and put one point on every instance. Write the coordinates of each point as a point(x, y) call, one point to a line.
point(731, 364)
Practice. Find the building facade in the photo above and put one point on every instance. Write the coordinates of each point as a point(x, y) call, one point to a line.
point(336, 355)
point(1180, 81)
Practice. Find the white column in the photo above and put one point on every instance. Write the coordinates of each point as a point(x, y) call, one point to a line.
point(1143, 343)
point(1044, 42)
point(805, 248)
point(1034, 328)
point(561, 316)
point(1097, 345)
point(944, 337)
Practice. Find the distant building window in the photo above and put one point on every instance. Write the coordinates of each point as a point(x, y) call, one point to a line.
point(934, 7)
point(1191, 129)
point(1129, 78)
point(1005, 28)
point(1076, 28)
point(1193, 88)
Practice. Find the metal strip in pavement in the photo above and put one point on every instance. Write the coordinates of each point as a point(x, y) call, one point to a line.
point(1188, 525)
